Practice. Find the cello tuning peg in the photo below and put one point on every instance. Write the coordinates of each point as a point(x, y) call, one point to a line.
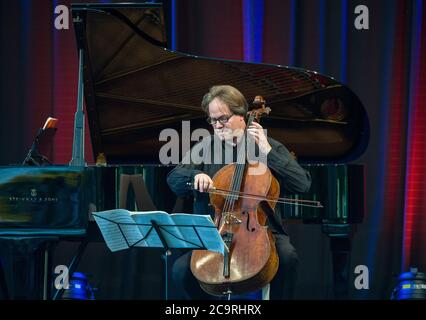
point(258, 101)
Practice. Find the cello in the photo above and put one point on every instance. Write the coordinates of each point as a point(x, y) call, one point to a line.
point(242, 199)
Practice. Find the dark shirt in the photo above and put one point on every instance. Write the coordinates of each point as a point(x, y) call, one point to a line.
point(291, 176)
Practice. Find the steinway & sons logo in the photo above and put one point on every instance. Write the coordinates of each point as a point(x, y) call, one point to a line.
point(33, 196)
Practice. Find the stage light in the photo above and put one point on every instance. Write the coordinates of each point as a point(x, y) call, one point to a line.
point(79, 288)
point(411, 286)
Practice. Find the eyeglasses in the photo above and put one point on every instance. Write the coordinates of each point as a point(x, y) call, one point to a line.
point(222, 120)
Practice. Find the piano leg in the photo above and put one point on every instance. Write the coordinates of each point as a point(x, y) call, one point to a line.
point(26, 267)
point(72, 266)
point(340, 250)
point(340, 235)
point(3, 284)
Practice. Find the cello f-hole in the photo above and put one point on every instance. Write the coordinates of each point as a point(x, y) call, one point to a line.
point(248, 220)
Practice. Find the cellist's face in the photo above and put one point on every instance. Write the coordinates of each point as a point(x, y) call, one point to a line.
point(232, 126)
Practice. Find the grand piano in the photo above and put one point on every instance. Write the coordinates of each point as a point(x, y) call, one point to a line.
point(134, 87)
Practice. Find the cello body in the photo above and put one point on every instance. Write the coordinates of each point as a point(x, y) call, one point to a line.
point(251, 261)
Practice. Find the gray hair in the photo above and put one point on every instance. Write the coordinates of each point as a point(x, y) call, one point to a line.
point(229, 95)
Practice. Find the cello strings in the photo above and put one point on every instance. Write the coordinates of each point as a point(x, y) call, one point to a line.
point(241, 161)
point(227, 206)
point(240, 166)
point(235, 178)
point(228, 199)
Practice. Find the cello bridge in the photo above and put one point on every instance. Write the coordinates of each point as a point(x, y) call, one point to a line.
point(231, 218)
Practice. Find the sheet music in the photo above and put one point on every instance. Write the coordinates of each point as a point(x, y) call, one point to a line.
point(117, 226)
point(205, 228)
point(171, 233)
point(179, 230)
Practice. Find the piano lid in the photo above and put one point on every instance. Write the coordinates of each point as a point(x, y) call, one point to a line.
point(135, 87)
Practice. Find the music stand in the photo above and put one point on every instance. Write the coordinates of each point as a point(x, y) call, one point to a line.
point(41, 144)
point(157, 229)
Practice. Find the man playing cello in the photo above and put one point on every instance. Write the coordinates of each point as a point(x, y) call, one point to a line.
point(226, 109)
